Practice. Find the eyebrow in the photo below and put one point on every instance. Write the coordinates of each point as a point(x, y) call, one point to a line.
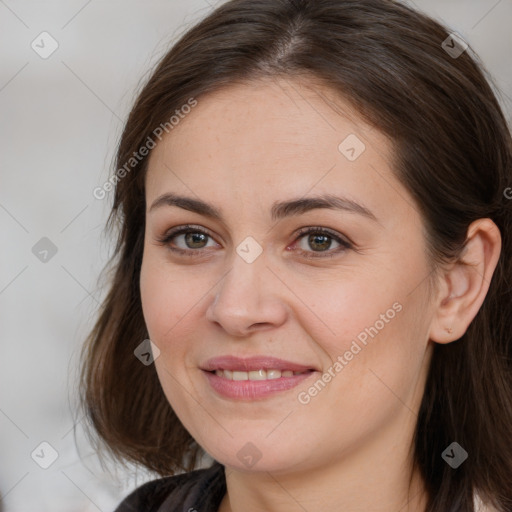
point(279, 210)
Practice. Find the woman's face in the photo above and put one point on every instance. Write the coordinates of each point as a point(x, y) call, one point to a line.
point(346, 312)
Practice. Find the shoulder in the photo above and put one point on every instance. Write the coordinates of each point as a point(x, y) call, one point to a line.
point(200, 488)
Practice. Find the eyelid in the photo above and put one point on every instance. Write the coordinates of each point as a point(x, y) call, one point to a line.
point(166, 238)
point(344, 241)
point(341, 238)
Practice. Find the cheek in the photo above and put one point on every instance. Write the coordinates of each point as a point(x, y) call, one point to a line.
point(375, 325)
point(167, 307)
point(378, 355)
point(153, 298)
point(164, 298)
point(347, 307)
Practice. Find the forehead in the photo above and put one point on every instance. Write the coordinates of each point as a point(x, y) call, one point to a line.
point(283, 113)
point(271, 139)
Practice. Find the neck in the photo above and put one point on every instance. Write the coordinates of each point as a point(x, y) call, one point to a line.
point(377, 476)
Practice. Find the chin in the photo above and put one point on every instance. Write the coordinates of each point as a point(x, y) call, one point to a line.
point(258, 456)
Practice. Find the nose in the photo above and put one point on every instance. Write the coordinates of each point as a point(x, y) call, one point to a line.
point(248, 298)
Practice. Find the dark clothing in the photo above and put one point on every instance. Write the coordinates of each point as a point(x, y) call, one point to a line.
point(201, 490)
point(197, 491)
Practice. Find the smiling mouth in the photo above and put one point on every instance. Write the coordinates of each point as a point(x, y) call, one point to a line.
point(253, 378)
point(269, 374)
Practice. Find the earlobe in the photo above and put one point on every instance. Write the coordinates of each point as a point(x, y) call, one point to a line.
point(464, 285)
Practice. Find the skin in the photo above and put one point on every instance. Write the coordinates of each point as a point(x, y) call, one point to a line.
point(241, 149)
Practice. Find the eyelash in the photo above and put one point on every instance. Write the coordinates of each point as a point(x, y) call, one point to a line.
point(345, 245)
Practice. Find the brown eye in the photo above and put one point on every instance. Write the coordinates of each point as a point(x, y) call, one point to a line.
point(194, 240)
point(320, 240)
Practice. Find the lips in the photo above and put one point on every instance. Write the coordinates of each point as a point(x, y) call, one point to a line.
point(253, 364)
point(254, 377)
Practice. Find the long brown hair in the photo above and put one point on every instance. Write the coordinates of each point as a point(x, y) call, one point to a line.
point(453, 152)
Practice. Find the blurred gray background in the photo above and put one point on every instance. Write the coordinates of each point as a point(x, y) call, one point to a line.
point(61, 116)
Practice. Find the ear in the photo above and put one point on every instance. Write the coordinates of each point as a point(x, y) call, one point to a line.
point(464, 284)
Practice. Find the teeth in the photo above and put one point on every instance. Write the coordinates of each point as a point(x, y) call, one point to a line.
point(255, 374)
point(258, 375)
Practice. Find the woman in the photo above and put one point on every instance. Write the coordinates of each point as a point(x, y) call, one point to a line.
point(312, 281)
